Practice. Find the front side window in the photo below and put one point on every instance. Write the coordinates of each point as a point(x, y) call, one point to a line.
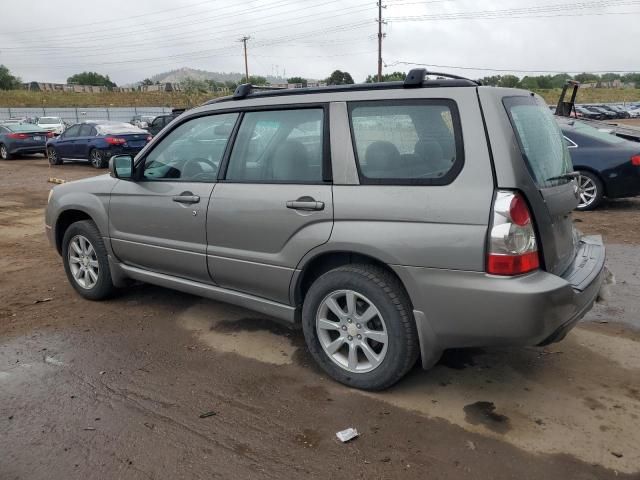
point(416, 142)
point(192, 152)
point(281, 146)
point(541, 142)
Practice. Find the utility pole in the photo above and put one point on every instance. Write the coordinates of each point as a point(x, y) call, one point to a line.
point(246, 64)
point(380, 36)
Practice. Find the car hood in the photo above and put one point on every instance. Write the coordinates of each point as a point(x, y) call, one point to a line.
point(102, 184)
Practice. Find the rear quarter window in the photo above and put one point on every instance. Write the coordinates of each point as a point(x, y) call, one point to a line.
point(413, 142)
point(540, 139)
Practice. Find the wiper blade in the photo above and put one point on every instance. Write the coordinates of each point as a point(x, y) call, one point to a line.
point(567, 176)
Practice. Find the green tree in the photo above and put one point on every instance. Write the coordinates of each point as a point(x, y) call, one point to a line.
point(91, 78)
point(146, 82)
point(558, 80)
point(632, 77)
point(492, 80)
point(8, 81)
point(509, 81)
point(609, 77)
point(529, 83)
point(297, 80)
point(586, 77)
point(257, 80)
point(339, 77)
point(387, 77)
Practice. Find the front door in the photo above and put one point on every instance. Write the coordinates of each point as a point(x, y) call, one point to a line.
point(66, 142)
point(274, 203)
point(158, 221)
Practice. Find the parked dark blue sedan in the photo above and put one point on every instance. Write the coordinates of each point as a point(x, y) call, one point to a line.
point(96, 141)
point(609, 166)
point(22, 138)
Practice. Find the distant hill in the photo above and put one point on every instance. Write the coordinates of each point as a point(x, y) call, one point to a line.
point(181, 74)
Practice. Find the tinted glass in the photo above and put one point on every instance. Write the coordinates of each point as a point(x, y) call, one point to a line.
point(278, 146)
point(541, 141)
point(405, 142)
point(85, 130)
point(72, 131)
point(193, 151)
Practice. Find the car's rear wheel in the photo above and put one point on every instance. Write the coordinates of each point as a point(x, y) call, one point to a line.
point(590, 190)
point(4, 152)
point(358, 326)
point(96, 157)
point(53, 157)
point(85, 261)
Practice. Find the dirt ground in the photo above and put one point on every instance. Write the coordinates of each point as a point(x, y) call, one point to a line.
point(117, 389)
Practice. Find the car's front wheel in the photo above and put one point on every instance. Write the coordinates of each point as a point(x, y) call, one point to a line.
point(358, 326)
point(96, 157)
point(53, 157)
point(590, 190)
point(4, 152)
point(85, 261)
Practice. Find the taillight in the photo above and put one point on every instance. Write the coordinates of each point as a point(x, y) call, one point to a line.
point(512, 248)
point(50, 134)
point(18, 136)
point(635, 160)
point(115, 140)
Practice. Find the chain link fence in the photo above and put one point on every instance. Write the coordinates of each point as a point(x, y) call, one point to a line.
point(75, 115)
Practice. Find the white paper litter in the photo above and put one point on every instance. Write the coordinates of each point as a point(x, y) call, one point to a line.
point(346, 435)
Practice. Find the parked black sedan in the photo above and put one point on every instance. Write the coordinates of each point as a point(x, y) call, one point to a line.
point(609, 166)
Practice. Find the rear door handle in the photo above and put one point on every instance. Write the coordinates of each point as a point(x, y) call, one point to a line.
point(306, 204)
point(186, 198)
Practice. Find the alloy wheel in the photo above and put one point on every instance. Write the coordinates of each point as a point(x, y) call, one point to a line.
point(96, 159)
point(351, 331)
point(53, 155)
point(587, 190)
point(83, 261)
point(4, 154)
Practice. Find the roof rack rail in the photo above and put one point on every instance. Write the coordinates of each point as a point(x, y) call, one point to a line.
point(245, 89)
point(416, 76)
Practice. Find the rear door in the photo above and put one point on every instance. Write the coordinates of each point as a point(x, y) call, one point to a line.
point(274, 202)
point(82, 143)
point(531, 155)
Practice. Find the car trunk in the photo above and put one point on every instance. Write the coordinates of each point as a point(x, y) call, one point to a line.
point(27, 137)
point(554, 196)
point(133, 140)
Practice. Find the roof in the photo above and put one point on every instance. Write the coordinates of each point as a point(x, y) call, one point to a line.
point(415, 79)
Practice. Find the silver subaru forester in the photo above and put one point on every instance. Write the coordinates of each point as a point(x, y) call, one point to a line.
point(392, 221)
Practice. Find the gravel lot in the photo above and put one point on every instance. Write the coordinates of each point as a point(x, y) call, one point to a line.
point(116, 389)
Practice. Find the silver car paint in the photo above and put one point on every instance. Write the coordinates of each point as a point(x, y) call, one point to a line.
point(432, 237)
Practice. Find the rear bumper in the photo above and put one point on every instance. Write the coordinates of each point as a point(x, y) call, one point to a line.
point(456, 309)
point(110, 152)
point(16, 149)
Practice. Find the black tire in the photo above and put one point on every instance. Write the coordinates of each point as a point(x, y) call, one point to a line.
point(389, 297)
point(103, 287)
point(96, 158)
point(599, 191)
point(53, 157)
point(4, 152)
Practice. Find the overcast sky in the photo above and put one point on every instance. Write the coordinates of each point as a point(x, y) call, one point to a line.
point(50, 40)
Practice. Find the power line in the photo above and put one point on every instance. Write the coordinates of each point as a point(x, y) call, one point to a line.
point(509, 70)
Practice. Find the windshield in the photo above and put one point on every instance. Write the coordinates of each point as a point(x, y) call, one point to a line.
point(541, 142)
point(589, 131)
point(49, 121)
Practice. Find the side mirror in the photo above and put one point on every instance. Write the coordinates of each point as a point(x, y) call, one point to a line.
point(121, 166)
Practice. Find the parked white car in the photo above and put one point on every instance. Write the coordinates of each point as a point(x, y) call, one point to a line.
point(52, 124)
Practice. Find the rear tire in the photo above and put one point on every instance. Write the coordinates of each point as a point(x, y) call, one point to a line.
point(85, 261)
point(386, 344)
point(591, 191)
point(53, 157)
point(4, 152)
point(96, 158)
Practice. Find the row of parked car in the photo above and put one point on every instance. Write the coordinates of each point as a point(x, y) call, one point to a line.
point(608, 112)
point(92, 140)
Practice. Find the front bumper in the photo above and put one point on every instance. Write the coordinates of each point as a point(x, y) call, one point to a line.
point(456, 309)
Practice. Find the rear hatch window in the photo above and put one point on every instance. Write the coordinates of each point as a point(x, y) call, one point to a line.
point(541, 142)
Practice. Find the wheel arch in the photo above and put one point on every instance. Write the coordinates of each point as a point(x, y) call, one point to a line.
point(65, 220)
point(322, 262)
point(586, 168)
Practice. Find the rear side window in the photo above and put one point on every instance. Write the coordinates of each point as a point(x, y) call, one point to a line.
point(407, 142)
point(279, 146)
point(541, 141)
point(85, 130)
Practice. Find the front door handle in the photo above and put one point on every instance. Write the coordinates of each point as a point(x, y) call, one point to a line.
point(186, 199)
point(306, 204)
